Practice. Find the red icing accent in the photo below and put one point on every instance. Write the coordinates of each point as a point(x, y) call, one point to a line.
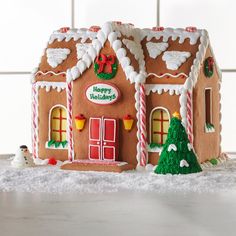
point(94, 28)
point(64, 29)
point(159, 28)
point(127, 117)
point(191, 29)
point(80, 117)
point(102, 60)
point(52, 161)
point(103, 139)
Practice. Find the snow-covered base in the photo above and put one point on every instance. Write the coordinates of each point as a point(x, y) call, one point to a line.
point(51, 179)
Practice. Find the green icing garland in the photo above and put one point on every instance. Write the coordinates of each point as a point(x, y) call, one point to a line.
point(209, 67)
point(101, 62)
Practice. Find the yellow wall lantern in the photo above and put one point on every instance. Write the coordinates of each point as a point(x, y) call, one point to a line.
point(128, 122)
point(80, 122)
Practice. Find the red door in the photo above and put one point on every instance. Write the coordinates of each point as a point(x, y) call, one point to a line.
point(103, 139)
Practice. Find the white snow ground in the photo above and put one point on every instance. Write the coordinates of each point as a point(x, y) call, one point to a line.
point(51, 179)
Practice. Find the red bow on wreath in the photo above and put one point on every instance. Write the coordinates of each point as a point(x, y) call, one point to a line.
point(103, 60)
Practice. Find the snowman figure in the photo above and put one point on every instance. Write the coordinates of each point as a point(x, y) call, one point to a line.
point(22, 158)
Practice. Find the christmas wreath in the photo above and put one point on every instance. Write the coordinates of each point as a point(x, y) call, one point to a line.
point(105, 61)
point(209, 67)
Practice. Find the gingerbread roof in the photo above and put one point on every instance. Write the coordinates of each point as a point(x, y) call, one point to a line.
point(159, 52)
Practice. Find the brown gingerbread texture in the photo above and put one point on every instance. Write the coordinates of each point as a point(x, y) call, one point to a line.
point(116, 71)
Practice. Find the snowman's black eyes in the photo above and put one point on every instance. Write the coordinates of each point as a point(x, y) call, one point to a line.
point(22, 150)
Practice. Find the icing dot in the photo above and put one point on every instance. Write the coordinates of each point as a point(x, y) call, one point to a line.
point(94, 28)
point(64, 29)
point(191, 29)
point(159, 28)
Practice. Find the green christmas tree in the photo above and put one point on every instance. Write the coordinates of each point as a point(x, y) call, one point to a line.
point(177, 156)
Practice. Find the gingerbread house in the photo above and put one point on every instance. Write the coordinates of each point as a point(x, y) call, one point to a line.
point(104, 96)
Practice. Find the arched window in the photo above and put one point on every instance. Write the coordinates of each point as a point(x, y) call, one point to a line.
point(160, 121)
point(58, 124)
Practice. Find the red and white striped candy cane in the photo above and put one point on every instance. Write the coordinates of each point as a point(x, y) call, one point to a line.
point(143, 135)
point(34, 121)
point(69, 121)
point(189, 117)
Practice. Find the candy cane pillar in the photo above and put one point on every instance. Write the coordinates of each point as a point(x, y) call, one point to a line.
point(69, 121)
point(189, 117)
point(34, 121)
point(143, 131)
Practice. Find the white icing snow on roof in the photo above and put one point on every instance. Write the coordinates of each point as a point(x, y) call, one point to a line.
point(136, 49)
point(168, 33)
point(115, 32)
point(55, 56)
point(81, 49)
point(174, 59)
point(155, 49)
point(75, 34)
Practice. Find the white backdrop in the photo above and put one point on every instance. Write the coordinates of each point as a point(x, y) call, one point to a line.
point(26, 26)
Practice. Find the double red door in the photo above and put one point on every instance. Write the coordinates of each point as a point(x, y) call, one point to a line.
point(103, 139)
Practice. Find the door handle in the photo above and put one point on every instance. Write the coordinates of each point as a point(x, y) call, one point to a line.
point(104, 143)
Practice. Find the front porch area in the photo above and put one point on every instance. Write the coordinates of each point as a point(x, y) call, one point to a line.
point(91, 165)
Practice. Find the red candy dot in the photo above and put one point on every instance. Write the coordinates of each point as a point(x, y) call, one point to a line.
point(94, 28)
point(52, 161)
point(191, 29)
point(159, 28)
point(64, 29)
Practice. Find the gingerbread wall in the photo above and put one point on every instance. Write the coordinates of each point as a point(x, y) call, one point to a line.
point(170, 102)
point(207, 145)
point(46, 101)
point(125, 105)
point(158, 66)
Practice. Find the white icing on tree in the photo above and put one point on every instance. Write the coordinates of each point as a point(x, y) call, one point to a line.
point(55, 56)
point(81, 49)
point(174, 59)
point(183, 163)
point(155, 49)
point(172, 147)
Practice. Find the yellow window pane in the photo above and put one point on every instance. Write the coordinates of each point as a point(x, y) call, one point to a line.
point(63, 113)
point(55, 136)
point(55, 124)
point(156, 138)
point(165, 126)
point(63, 136)
point(63, 125)
point(165, 115)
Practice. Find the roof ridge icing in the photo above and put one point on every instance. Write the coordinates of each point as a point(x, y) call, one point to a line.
point(112, 31)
